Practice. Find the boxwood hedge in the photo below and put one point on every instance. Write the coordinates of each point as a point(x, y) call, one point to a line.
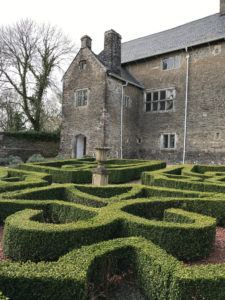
point(130, 225)
point(28, 237)
point(13, 179)
point(159, 275)
point(79, 171)
point(197, 178)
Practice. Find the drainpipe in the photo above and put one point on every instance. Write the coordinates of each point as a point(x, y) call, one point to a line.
point(121, 120)
point(186, 105)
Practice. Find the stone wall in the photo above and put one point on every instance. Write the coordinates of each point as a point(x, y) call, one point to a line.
point(132, 122)
point(25, 147)
point(206, 118)
point(206, 103)
point(130, 119)
point(87, 120)
point(100, 120)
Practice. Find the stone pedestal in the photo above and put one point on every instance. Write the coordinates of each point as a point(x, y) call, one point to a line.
point(100, 175)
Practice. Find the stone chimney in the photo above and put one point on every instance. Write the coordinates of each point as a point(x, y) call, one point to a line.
point(86, 42)
point(112, 50)
point(222, 7)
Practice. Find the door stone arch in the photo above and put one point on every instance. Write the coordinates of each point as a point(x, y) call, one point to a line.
point(79, 147)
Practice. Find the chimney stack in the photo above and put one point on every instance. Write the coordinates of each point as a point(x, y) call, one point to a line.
point(86, 42)
point(112, 50)
point(222, 7)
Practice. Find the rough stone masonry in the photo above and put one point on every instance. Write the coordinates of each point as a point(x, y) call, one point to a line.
point(157, 97)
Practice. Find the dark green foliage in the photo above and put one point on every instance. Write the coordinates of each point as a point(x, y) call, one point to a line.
point(178, 213)
point(68, 278)
point(79, 171)
point(12, 179)
point(189, 240)
point(2, 297)
point(109, 222)
point(101, 196)
point(197, 178)
point(35, 136)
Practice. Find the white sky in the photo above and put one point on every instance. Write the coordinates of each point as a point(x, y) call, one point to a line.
point(132, 19)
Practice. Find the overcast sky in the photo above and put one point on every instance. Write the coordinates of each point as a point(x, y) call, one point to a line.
point(132, 19)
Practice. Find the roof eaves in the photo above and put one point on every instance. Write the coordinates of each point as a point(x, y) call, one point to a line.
point(125, 80)
point(175, 49)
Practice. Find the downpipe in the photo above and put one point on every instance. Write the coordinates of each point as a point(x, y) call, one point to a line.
point(186, 105)
point(121, 120)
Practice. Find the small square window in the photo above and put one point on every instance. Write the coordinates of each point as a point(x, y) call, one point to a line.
point(81, 97)
point(170, 63)
point(82, 65)
point(168, 141)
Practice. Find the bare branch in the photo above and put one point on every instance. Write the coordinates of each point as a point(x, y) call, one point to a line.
point(29, 56)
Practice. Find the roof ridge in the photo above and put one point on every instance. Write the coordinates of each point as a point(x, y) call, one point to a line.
point(164, 31)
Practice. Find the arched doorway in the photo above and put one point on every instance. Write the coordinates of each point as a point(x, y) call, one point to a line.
point(80, 146)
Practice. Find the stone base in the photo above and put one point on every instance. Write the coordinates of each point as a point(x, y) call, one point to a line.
point(100, 179)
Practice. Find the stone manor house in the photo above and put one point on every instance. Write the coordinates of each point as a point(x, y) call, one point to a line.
point(160, 96)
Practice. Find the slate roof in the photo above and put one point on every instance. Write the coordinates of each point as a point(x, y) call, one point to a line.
point(129, 77)
point(123, 73)
point(198, 32)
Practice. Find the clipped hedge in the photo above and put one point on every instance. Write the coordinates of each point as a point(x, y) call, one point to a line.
point(187, 178)
point(79, 171)
point(13, 179)
point(189, 240)
point(68, 278)
point(159, 275)
point(101, 196)
point(83, 194)
point(26, 237)
point(167, 218)
point(2, 297)
point(34, 135)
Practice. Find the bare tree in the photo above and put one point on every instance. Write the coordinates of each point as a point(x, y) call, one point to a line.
point(52, 111)
point(29, 56)
point(11, 115)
